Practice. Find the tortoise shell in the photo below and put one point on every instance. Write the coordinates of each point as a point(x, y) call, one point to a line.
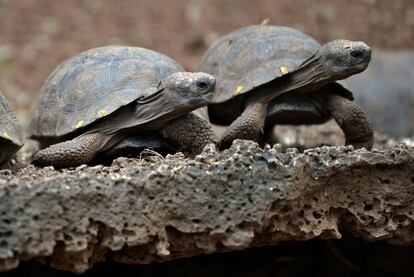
point(94, 84)
point(255, 55)
point(386, 92)
point(11, 134)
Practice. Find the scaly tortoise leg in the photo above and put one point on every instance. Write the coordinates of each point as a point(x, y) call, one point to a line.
point(73, 152)
point(190, 131)
point(352, 120)
point(249, 125)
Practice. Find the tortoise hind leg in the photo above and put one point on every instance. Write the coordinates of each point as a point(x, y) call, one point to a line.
point(73, 152)
point(352, 120)
point(190, 131)
point(249, 125)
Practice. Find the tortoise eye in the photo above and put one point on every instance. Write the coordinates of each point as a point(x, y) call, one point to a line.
point(202, 85)
point(357, 54)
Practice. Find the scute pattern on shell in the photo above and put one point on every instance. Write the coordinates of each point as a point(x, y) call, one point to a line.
point(94, 84)
point(253, 56)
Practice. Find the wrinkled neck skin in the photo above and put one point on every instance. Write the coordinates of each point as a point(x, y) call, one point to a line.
point(148, 113)
point(162, 109)
point(310, 76)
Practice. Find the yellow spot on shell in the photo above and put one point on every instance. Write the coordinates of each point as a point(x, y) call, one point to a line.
point(283, 69)
point(6, 135)
point(239, 89)
point(101, 113)
point(80, 124)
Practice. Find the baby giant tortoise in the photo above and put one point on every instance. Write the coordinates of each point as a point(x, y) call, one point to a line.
point(102, 97)
point(11, 134)
point(269, 75)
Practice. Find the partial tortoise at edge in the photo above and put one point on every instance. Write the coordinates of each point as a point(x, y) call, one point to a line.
point(11, 133)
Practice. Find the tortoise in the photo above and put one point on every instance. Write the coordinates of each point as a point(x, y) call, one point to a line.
point(11, 133)
point(269, 75)
point(115, 97)
point(386, 92)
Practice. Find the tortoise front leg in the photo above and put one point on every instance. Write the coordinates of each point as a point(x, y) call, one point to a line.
point(190, 131)
point(352, 120)
point(249, 125)
point(73, 152)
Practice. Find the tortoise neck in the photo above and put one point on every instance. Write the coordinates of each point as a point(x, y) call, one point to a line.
point(310, 76)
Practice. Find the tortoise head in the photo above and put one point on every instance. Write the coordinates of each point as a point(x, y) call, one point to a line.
point(192, 88)
point(334, 61)
point(343, 58)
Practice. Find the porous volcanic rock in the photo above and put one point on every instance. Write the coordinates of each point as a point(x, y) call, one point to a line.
point(155, 209)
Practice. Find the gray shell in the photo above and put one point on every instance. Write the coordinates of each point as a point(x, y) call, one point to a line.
point(385, 91)
point(255, 55)
point(96, 83)
point(11, 134)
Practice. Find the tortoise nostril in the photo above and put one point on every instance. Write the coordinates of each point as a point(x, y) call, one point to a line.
point(202, 85)
point(357, 54)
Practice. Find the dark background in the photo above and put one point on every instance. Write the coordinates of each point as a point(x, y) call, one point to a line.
point(36, 35)
point(347, 257)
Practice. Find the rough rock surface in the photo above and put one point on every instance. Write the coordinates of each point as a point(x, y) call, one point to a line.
point(141, 211)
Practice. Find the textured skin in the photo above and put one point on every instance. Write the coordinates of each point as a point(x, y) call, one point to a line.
point(385, 91)
point(11, 134)
point(247, 126)
point(94, 84)
point(353, 122)
point(73, 152)
point(190, 131)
